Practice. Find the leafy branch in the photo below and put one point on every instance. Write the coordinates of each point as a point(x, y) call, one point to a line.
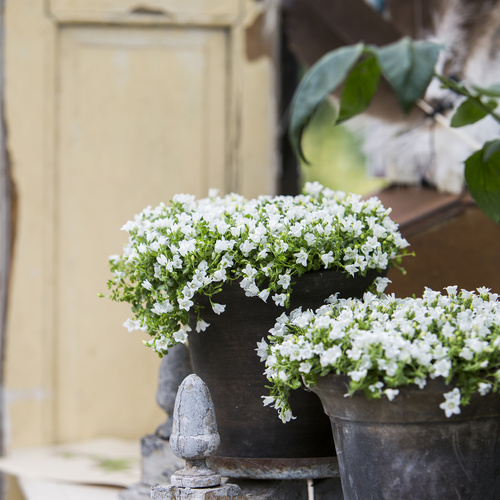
point(408, 66)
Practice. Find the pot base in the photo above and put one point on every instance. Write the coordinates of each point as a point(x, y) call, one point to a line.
point(276, 468)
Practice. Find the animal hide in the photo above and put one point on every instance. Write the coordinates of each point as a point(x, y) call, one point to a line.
point(418, 148)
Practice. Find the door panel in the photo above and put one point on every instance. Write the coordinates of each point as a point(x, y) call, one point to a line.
point(113, 105)
point(115, 84)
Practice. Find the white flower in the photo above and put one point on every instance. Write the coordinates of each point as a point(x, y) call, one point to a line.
point(421, 382)
point(222, 226)
point(262, 347)
point(161, 343)
point(484, 388)
point(381, 284)
point(451, 405)
point(305, 367)
point(279, 299)
point(310, 239)
point(147, 285)
point(284, 280)
point(467, 354)
point(185, 303)
point(391, 393)
point(287, 416)
point(351, 269)
point(327, 258)
point(218, 308)
point(250, 287)
point(220, 275)
point(301, 257)
point(357, 375)
point(162, 260)
point(268, 400)
point(162, 307)
point(132, 325)
point(247, 246)
point(201, 325)
point(377, 387)
point(313, 188)
point(186, 247)
point(330, 356)
point(264, 294)
point(224, 245)
point(441, 368)
point(296, 229)
point(180, 336)
point(249, 271)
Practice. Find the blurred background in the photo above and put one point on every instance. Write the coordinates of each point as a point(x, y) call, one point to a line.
point(109, 106)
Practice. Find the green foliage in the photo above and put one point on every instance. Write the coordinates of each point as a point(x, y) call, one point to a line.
point(359, 89)
point(482, 174)
point(409, 68)
point(404, 64)
point(471, 111)
point(328, 74)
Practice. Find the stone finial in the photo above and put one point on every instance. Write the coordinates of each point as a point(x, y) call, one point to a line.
point(194, 434)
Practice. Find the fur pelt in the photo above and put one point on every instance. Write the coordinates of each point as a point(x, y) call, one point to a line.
point(414, 149)
point(422, 149)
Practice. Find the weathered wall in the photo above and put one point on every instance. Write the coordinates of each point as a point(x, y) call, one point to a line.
point(113, 105)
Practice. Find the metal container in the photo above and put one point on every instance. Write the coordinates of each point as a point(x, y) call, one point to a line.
point(409, 449)
point(224, 357)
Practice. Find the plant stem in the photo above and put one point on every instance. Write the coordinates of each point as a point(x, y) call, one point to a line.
point(464, 91)
point(443, 121)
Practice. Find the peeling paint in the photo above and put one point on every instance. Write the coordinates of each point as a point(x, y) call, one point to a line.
point(150, 11)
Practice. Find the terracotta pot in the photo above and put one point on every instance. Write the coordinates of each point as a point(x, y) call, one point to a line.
point(408, 448)
point(254, 441)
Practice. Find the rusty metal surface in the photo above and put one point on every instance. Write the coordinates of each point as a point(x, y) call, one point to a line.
point(276, 468)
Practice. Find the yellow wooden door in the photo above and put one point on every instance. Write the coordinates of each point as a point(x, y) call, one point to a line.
point(113, 105)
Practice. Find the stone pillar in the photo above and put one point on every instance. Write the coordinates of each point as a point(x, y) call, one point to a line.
point(158, 462)
point(194, 438)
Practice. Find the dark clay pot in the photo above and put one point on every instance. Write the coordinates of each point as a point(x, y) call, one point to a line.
point(408, 448)
point(224, 356)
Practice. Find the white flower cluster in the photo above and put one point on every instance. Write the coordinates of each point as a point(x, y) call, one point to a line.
point(192, 247)
point(382, 343)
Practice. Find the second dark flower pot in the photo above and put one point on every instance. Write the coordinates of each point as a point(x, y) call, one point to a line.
point(254, 441)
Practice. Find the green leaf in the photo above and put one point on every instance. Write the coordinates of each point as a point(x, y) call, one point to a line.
point(489, 149)
point(359, 89)
point(482, 174)
point(471, 111)
point(491, 91)
point(409, 68)
point(322, 79)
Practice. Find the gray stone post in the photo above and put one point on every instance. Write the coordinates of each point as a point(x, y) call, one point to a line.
point(194, 438)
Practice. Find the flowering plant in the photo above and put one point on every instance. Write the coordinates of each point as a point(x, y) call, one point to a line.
point(382, 343)
point(192, 247)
